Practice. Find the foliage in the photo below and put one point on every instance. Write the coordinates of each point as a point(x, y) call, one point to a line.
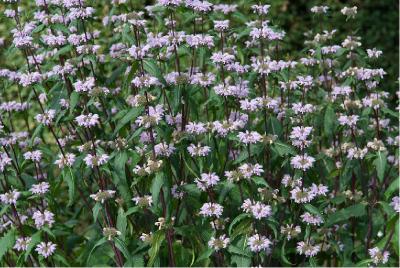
point(189, 133)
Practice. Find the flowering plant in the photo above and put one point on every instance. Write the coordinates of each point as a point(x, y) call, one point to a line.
point(186, 133)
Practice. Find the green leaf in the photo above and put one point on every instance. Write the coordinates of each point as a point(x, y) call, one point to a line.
point(380, 164)
point(122, 222)
point(393, 187)
point(157, 239)
point(69, 178)
point(73, 101)
point(152, 68)
point(122, 247)
point(96, 209)
point(131, 210)
point(283, 255)
point(99, 243)
point(205, 255)
point(329, 120)
point(35, 239)
point(344, 214)
point(236, 250)
point(7, 242)
point(237, 219)
point(310, 208)
point(156, 186)
point(283, 149)
point(241, 261)
point(363, 263)
point(132, 114)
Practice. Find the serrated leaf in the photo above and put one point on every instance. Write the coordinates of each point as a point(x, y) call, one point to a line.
point(283, 149)
point(122, 222)
point(237, 219)
point(7, 242)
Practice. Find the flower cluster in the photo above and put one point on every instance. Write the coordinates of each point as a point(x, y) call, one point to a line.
point(190, 133)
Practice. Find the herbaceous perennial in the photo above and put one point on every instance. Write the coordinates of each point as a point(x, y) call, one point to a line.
point(185, 133)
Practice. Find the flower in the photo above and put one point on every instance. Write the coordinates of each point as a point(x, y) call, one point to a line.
point(396, 203)
point(4, 160)
point(102, 195)
point(88, 121)
point(67, 160)
point(211, 209)
point(40, 188)
point(163, 149)
point(22, 243)
point(218, 243)
point(350, 12)
point(302, 195)
point(258, 242)
point(259, 210)
point(290, 231)
point(46, 118)
point(198, 150)
point(302, 162)
point(41, 219)
point(35, 156)
point(207, 180)
point(145, 201)
point(46, 249)
point(10, 197)
point(378, 256)
point(249, 137)
point(307, 249)
point(95, 160)
point(311, 219)
point(110, 232)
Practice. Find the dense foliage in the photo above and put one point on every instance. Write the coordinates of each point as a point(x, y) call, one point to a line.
point(190, 133)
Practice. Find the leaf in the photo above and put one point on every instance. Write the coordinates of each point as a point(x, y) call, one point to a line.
point(131, 210)
point(394, 186)
point(73, 101)
point(380, 164)
point(132, 114)
point(357, 210)
point(310, 208)
point(122, 222)
point(96, 210)
point(363, 263)
point(236, 220)
point(7, 242)
point(152, 68)
point(283, 149)
point(329, 120)
point(69, 178)
point(275, 126)
point(156, 186)
point(236, 250)
point(204, 255)
point(35, 239)
point(241, 261)
point(283, 255)
point(99, 243)
point(156, 241)
point(122, 247)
